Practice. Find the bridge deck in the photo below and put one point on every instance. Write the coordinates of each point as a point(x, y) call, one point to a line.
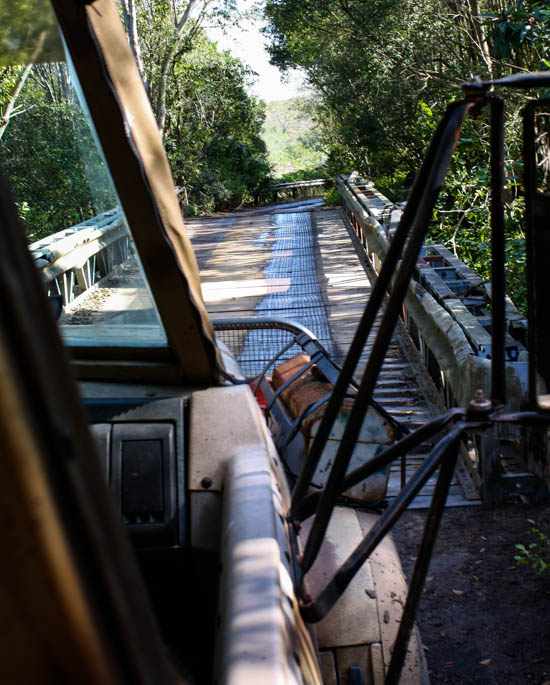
point(304, 265)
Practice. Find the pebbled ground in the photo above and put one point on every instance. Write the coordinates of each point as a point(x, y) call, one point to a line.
point(483, 618)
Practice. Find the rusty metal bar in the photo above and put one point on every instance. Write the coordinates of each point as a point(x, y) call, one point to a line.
point(270, 363)
point(391, 453)
point(293, 378)
point(315, 611)
point(525, 418)
point(296, 426)
point(498, 278)
point(535, 79)
point(371, 310)
point(437, 171)
point(448, 464)
point(530, 187)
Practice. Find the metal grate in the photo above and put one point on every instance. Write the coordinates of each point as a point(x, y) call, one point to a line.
point(254, 348)
point(293, 258)
point(257, 341)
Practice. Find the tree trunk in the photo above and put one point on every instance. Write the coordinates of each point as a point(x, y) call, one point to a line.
point(481, 36)
point(9, 110)
point(166, 62)
point(130, 21)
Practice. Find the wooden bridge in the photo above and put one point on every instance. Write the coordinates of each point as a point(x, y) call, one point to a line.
point(316, 265)
point(308, 265)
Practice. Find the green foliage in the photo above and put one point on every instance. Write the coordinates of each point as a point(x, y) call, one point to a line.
point(355, 56)
point(52, 163)
point(212, 137)
point(293, 138)
point(394, 186)
point(535, 554)
point(332, 197)
point(385, 70)
point(462, 219)
point(213, 130)
point(522, 33)
point(161, 31)
point(25, 25)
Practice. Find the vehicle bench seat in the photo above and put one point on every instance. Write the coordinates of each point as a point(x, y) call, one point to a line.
point(362, 626)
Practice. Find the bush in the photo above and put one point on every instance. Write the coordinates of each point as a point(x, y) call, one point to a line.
point(332, 197)
point(535, 554)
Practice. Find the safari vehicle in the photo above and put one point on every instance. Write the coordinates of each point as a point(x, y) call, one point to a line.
point(162, 437)
point(149, 528)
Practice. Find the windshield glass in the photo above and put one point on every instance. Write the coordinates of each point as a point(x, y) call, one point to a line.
point(67, 204)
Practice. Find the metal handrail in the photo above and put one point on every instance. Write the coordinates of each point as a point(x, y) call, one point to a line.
point(252, 322)
point(302, 184)
point(302, 337)
point(480, 413)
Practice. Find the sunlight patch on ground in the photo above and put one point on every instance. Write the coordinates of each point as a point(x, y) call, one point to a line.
point(218, 291)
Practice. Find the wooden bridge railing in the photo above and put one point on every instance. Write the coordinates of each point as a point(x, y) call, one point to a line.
point(446, 306)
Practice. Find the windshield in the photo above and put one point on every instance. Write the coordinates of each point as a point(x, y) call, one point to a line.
point(67, 204)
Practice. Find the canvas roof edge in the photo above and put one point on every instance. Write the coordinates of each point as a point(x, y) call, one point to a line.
point(133, 148)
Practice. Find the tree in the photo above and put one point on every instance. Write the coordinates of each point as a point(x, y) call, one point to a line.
point(293, 137)
point(27, 32)
point(384, 70)
point(55, 171)
point(213, 129)
point(356, 55)
point(12, 80)
point(160, 31)
point(376, 63)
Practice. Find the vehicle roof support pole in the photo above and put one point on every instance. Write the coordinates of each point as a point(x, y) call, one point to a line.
point(372, 307)
point(401, 282)
point(498, 279)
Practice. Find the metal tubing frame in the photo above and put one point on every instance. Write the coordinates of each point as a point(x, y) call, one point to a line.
point(530, 187)
point(302, 335)
point(445, 453)
point(371, 309)
point(424, 556)
point(301, 371)
point(312, 612)
point(395, 451)
point(294, 429)
point(270, 363)
point(259, 322)
point(437, 168)
point(309, 343)
point(529, 182)
point(498, 278)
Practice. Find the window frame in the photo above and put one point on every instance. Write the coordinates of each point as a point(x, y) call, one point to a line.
point(131, 143)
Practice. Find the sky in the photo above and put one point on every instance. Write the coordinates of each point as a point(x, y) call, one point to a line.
point(247, 44)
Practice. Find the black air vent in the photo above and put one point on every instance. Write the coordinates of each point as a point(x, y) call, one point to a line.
point(139, 461)
point(142, 479)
